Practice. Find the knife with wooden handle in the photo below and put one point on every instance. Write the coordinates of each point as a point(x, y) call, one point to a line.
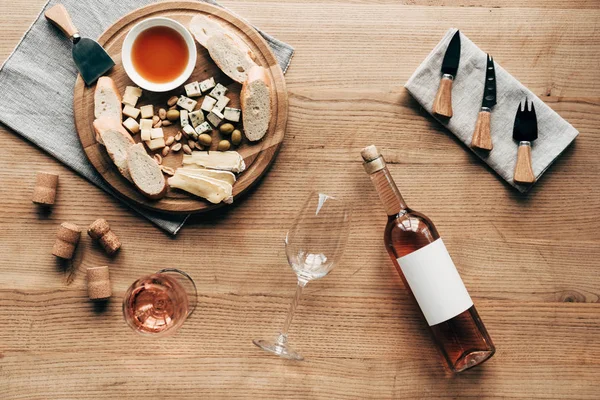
point(482, 136)
point(442, 105)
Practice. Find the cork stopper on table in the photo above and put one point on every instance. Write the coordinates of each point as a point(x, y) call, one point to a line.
point(100, 230)
point(67, 237)
point(370, 153)
point(44, 192)
point(98, 283)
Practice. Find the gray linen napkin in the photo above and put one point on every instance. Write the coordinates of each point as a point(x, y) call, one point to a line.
point(554, 133)
point(37, 81)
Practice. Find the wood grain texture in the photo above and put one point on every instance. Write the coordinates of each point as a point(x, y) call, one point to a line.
point(442, 104)
point(530, 262)
point(482, 136)
point(257, 156)
point(523, 170)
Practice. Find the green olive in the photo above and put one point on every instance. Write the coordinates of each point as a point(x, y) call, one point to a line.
point(173, 115)
point(226, 129)
point(205, 139)
point(236, 137)
point(224, 145)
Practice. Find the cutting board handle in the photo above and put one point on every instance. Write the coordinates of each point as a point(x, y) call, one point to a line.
point(482, 138)
point(442, 105)
point(523, 169)
point(60, 17)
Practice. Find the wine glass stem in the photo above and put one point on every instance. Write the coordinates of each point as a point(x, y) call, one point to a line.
point(293, 305)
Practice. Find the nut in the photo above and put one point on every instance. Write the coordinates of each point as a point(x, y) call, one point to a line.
point(236, 137)
point(205, 139)
point(158, 158)
point(165, 151)
point(223, 145)
point(155, 120)
point(199, 147)
point(166, 122)
point(226, 129)
point(172, 101)
point(173, 115)
point(192, 144)
point(158, 124)
point(184, 134)
point(176, 147)
point(167, 170)
point(186, 149)
point(178, 136)
point(169, 141)
point(162, 113)
point(172, 108)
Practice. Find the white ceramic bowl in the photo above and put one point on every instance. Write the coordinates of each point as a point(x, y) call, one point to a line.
point(128, 44)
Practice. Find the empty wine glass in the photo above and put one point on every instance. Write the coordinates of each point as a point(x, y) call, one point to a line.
point(314, 244)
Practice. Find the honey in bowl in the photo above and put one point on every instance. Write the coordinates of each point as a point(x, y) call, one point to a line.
point(159, 54)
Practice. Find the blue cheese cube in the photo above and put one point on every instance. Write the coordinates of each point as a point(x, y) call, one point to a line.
point(221, 103)
point(215, 117)
point(208, 104)
point(193, 89)
point(207, 85)
point(186, 103)
point(218, 92)
point(232, 114)
point(196, 118)
point(183, 118)
point(204, 128)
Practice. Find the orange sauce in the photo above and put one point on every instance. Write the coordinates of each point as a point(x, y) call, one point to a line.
point(159, 54)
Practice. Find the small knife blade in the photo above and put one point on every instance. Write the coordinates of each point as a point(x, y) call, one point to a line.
point(489, 89)
point(452, 56)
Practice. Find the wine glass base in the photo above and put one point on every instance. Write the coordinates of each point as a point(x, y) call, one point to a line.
point(278, 347)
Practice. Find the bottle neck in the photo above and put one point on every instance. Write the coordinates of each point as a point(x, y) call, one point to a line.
point(386, 189)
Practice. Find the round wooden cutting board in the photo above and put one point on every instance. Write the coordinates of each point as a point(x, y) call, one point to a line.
point(257, 156)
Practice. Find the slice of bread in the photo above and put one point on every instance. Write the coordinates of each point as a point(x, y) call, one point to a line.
point(107, 100)
point(203, 27)
point(255, 99)
point(145, 172)
point(117, 141)
point(232, 58)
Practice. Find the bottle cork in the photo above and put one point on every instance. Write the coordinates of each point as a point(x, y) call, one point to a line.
point(44, 192)
point(370, 153)
point(67, 237)
point(98, 283)
point(100, 230)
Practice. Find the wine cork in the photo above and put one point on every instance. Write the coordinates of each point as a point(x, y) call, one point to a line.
point(45, 188)
point(67, 237)
point(100, 230)
point(98, 283)
point(370, 153)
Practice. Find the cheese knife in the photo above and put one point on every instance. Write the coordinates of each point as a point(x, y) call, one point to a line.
point(482, 138)
point(91, 59)
point(525, 131)
point(442, 104)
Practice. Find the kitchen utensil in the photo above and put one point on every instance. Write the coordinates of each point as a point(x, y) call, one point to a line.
point(525, 131)
point(442, 104)
point(482, 138)
point(91, 59)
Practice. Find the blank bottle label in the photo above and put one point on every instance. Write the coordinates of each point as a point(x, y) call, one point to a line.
point(435, 282)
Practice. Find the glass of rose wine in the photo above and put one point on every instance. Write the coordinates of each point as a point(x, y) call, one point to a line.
point(158, 304)
point(313, 245)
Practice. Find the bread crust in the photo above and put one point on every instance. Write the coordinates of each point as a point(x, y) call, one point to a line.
point(104, 82)
point(153, 196)
point(103, 124)
point(254, 74)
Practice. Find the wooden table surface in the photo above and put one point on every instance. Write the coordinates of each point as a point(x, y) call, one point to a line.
point(531, 262)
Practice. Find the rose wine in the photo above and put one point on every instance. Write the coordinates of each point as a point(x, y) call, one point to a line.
point(155, 304)
point(421, 259)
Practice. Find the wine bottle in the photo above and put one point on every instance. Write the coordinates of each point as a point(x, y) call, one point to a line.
point(421, 258)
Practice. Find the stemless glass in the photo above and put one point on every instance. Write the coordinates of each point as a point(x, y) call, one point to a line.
point(158, 304)
point(313, 245)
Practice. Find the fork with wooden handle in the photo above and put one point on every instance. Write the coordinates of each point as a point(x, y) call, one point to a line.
point(525, 131)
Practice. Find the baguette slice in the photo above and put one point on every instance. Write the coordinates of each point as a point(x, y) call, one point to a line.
point(107, 100)
point(255, 99)
point(232, 57)
point(117, 141)
point(145, 172)
point(203, 27)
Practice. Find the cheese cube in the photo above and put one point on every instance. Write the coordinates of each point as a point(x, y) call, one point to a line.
point(232, 114)
point(204, 128)
point(156, 144)
point(183, 118)
point(186, 103)
point(208, 104)
point(130, 111)
point(218, 91)
point(156, 133)
point(145, 124)
point(189, 130)
point(147, 111)
point(130, 99)
point(215, 117)
point(133, 91)
point(131, 125)
point(196, 118)
point(221, 103)
point(207, 84)
point(193, 89)
point(146, 135)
